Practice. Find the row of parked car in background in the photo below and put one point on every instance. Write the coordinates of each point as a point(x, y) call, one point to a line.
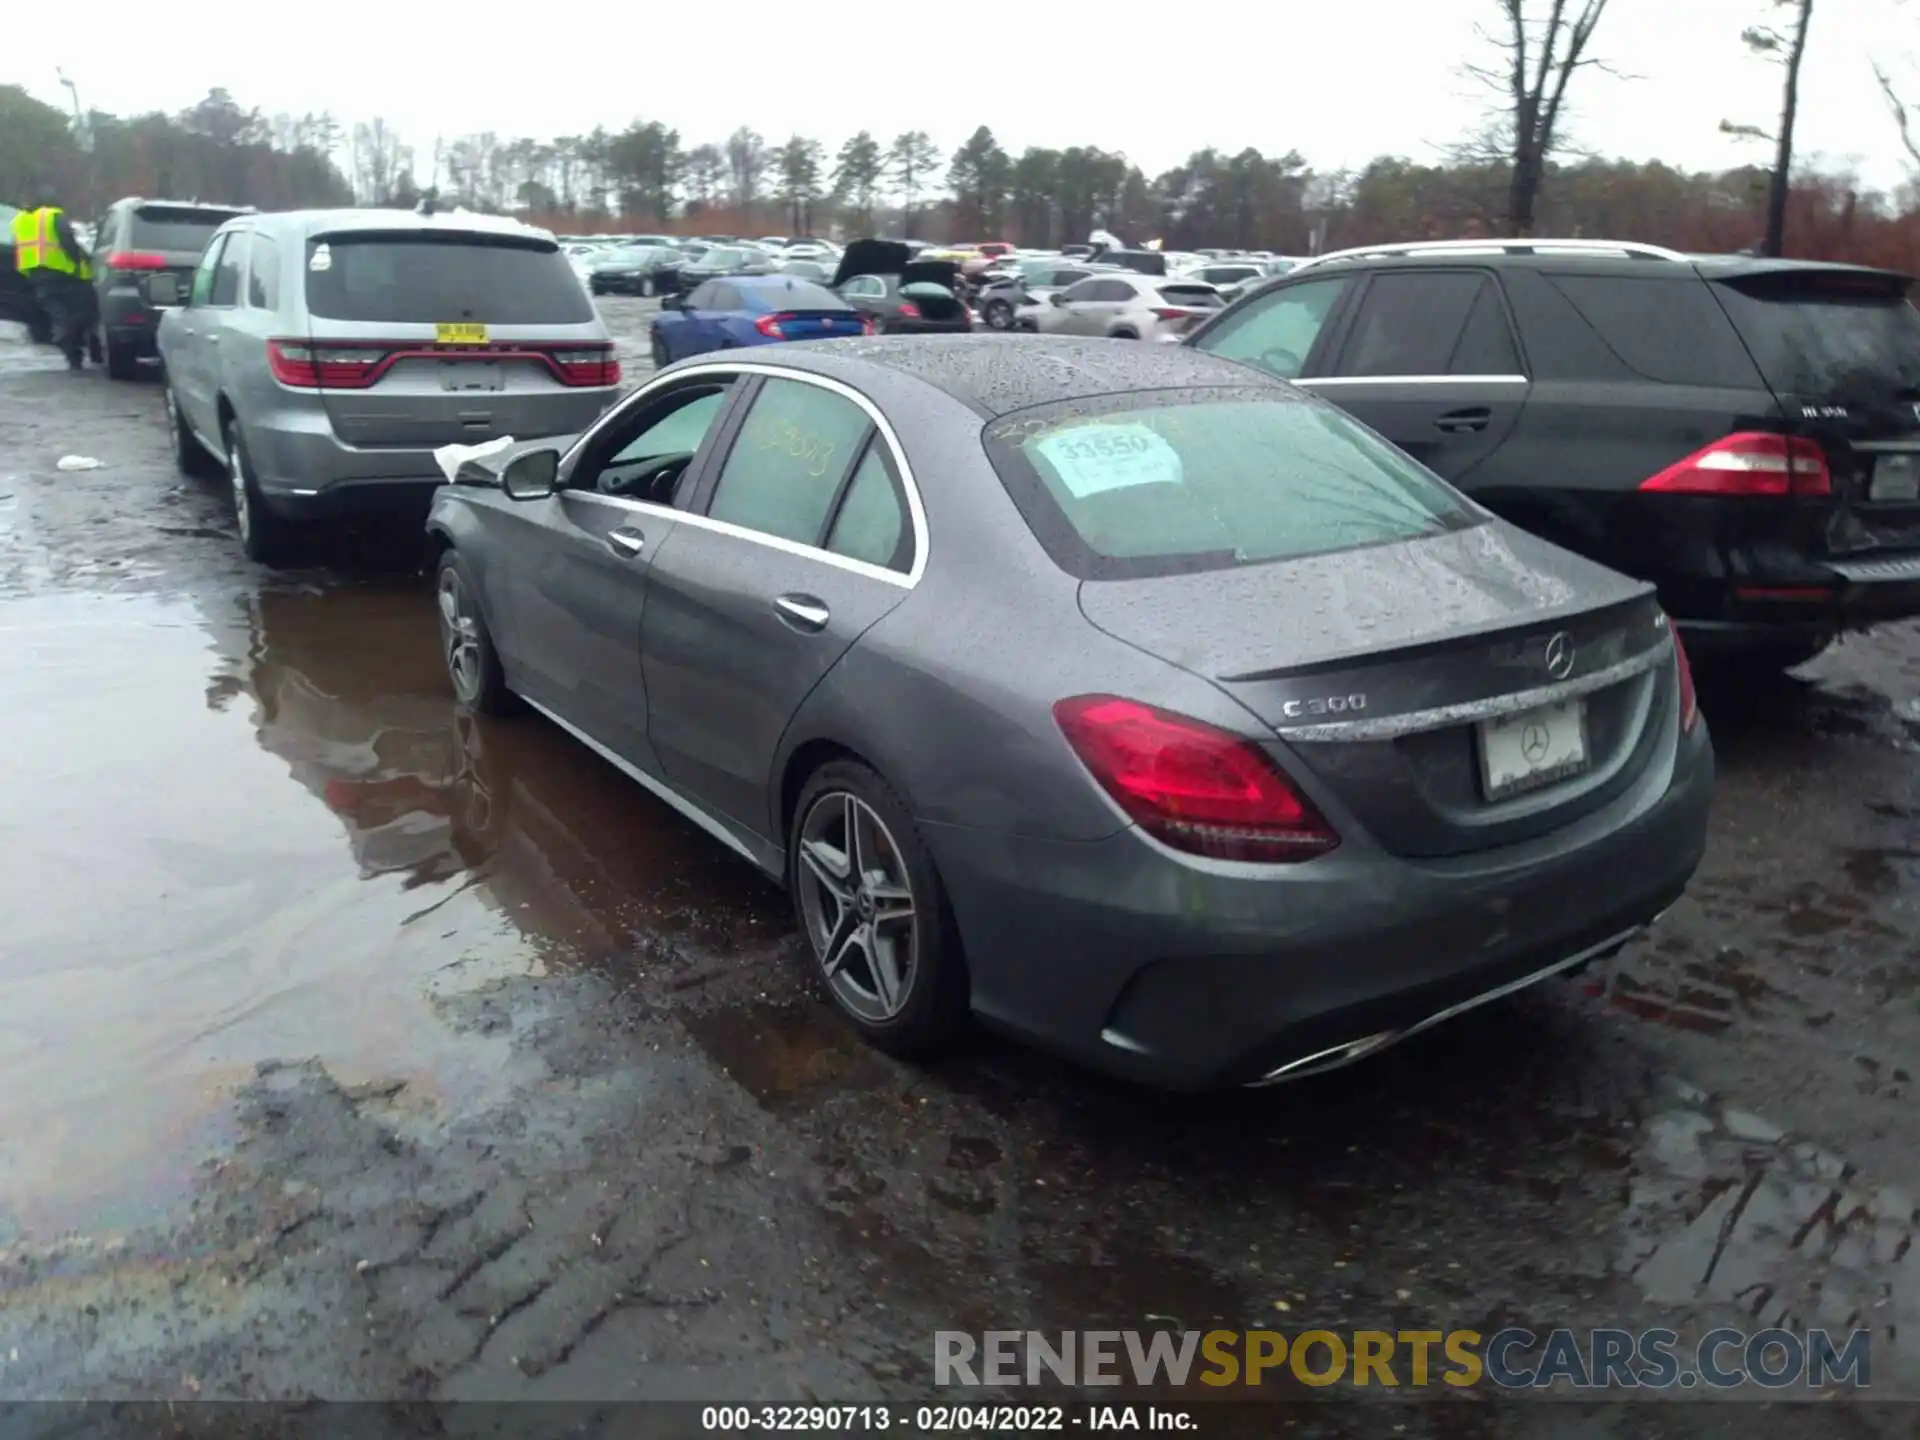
point(1115, 692)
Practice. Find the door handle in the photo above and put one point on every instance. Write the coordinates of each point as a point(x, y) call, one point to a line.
point(213, 337)
point(626, 542)
point(1463, 422)
point(803, 612)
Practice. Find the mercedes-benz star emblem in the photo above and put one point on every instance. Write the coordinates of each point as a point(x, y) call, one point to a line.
point(1559, 655)
point(1535, 742)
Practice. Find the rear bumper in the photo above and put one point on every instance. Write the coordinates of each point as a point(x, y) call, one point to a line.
point(1188, 976)
point(1806, 609)
point(303, 469)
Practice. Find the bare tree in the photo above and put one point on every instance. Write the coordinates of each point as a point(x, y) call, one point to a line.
point(1787, 46)
point(1539, 55)
point(1905, 121)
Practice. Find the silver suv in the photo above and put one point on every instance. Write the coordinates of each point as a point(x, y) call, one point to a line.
point(320, 357)
point(1125, 306)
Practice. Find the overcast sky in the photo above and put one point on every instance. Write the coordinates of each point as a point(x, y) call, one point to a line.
point(1339, 82)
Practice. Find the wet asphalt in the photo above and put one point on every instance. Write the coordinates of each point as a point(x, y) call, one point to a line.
point(353, 1047)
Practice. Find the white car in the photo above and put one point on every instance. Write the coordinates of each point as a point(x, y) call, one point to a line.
point(1122, 305)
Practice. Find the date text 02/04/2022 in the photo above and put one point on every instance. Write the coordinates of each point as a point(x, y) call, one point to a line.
point(939, 1419)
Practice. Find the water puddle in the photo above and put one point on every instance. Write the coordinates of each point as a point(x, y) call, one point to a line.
point(1727, 1211)
point(786, 1054)
point(263, 832)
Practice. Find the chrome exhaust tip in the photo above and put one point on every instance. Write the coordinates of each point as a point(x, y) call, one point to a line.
point(1332, 1058)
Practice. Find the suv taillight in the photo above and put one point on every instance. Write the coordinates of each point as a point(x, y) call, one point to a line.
point(304, 365)
point(1748, 463)
point(1192, 786)
point(136, 260)
point(590, 365)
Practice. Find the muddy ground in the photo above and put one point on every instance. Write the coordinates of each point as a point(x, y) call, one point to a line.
point(353, 1048)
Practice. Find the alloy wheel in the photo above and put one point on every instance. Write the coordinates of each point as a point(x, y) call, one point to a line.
point(857, 902)
point(999, 316)
point(242, 502)
point(459, 637)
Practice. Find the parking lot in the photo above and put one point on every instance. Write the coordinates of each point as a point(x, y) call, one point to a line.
point(359, 1047)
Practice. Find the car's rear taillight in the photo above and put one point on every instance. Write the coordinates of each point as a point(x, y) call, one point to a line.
point(769, 326)
point(1171, 314)
point(1683, 672)
point(909, 310)
point(305, 365)
point(136, 260)
point(1192, 786)
point(588, 365)
point(1748, 463)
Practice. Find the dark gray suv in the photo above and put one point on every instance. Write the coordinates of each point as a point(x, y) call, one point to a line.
point(137, 240)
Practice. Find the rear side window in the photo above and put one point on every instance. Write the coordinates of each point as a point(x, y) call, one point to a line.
point(1162, 482)
point(226, 273)
point(416, 279)
point(788, 459)
point(263, 274)
point(872, 522)
point(1669, 331)
point(174, 227)
point(1836, 334)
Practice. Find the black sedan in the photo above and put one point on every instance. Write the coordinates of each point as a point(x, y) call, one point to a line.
point(903, 295)
point(637, 270)
point(720, 261)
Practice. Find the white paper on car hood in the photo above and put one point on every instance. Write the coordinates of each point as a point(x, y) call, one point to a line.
point(451, 457)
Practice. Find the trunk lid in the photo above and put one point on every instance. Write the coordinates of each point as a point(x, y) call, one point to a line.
point(445, 336)
point(1839, 346)
point(820, 324)
point(1404, 676)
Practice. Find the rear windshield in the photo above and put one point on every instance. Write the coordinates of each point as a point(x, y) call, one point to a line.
point(729, 256)
point(793, 295)
point(1167, 481)
point(1199, 296)
point(162, 227)
point(415, 279)
point(1837, 335)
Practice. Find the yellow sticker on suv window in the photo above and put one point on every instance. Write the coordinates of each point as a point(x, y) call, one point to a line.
point(459, 334)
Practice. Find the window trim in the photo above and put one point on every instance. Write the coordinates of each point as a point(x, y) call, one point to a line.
point(1311, 380)
point(882, 427)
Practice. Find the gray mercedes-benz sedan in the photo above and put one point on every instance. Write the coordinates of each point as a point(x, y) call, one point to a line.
point(1122, 696)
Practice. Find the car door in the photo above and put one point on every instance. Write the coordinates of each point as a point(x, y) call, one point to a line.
point(698, 329)
point(1429, 359)
point(1067, 313)
point(189, 349)
point(579, 574)
point(807, 540)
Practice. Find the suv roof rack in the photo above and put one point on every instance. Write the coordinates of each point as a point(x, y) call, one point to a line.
point(1630, 249)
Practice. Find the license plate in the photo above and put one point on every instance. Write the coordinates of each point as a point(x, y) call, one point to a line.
point(459, 334)
point(1895, 477)
point(1531, 748)
point(460, 375)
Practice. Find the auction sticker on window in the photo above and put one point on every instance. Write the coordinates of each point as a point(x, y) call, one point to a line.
point(1093, 459)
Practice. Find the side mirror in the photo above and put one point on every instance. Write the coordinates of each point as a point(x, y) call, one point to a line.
point(163, 291)
point(673, 302)
point(531, 476)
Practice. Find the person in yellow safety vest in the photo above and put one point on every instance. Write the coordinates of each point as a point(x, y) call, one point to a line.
point(57, 265)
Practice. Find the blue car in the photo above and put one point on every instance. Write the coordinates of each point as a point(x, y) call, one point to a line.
point(740, 310)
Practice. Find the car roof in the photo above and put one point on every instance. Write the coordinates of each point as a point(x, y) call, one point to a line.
point(1609, 257)
point(995, 374)
point(347, 222)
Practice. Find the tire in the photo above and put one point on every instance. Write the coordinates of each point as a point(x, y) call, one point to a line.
point(912, 1010)
point(1123, 335)
point(190, 457)
point(659, 348)
point(263, 534)
point(466, 646)
point(998, 315)
point(647, 288)
point(122, 364)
